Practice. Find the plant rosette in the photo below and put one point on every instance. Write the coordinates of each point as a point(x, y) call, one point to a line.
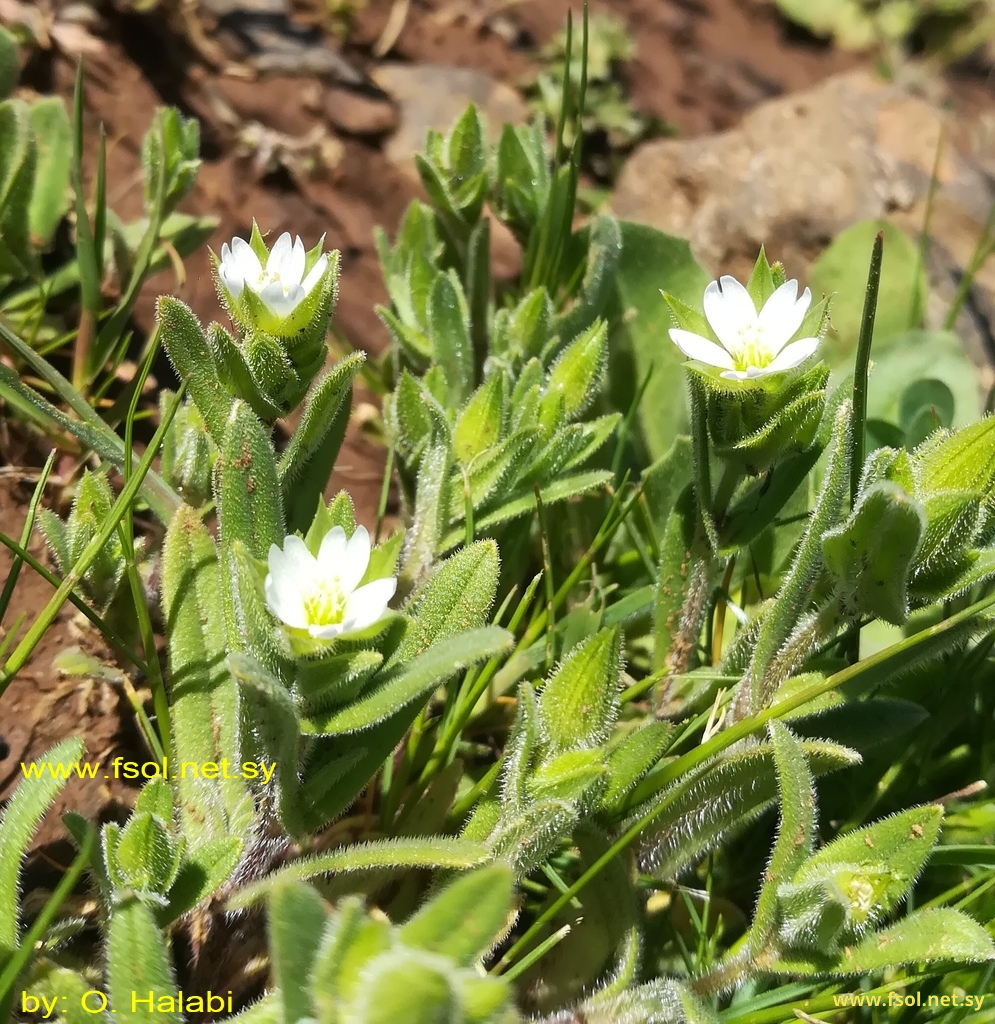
point(281, 299)
point(750, 350)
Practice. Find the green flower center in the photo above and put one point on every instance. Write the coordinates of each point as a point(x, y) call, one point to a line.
point(325, 605)
point(751, 349)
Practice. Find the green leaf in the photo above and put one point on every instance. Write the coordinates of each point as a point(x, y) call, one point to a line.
point(296, 920)
point(724, 797)
point(521, 750)
point(309, 458)
point(575, 777)
point(480, 424)
point(529, 838)
point(9, 64)
point(407, 683)
point(69, 988)
point(190, 355)
point(147, 857)
point(402, 987)
point(580, 701)
point(431, 508)
point(662, 1001)
point(330, 681)
point(54, 145)
point(794, 836)
point(651, 261)
point(874, 867)
point(250, 508)
point(842, 269)
point(452, 347)
point(523, 503)
point(902, 367)
point(203, 697)
point(871, 554)
point(604, 249)
point(761, 284)
point(465, 919)
point(25, 810)
point(139, 973)
point(960, 461)
point(943, 936)
point(494, 472)
point(268, 713)
point(387, 854)
point(203, 871)
point(632, 757)
point(576, 377)
point(17, 173)
point(456, 597)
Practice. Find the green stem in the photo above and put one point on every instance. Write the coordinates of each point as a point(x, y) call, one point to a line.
point(863, 364)
point(851, 645)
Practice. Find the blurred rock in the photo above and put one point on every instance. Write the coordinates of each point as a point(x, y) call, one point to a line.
point(434, 95)
point(359, 113)
point(799, 169)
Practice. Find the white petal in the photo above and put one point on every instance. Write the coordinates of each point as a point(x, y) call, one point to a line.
point(728, 309)
point(246, 260)
point(285, 601)
point(366, 605)
point(326, 632)
point(356, 560)
point(783, 314)
point(797, 352)
point(279, 256)
point(315, 274)
point(331, 552)
point(734, 375)
point(298, 560)
point(281, 303)
point(294, 264)
point(694, 346)
point(230, 275)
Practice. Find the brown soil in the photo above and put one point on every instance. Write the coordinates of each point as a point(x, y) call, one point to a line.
point(700, 65)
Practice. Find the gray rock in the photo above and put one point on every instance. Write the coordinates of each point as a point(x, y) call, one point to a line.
point(434, 95)
point(799, 169)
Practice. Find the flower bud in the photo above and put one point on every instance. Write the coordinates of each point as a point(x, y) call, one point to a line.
point(281, 300)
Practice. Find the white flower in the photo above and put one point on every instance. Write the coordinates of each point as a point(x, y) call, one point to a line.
point(322, 595)
point(752, 344)
point(281, 285)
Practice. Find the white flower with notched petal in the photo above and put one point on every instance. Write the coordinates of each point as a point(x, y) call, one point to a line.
point(752, 344)
point(322, 595)
point(281, 285)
